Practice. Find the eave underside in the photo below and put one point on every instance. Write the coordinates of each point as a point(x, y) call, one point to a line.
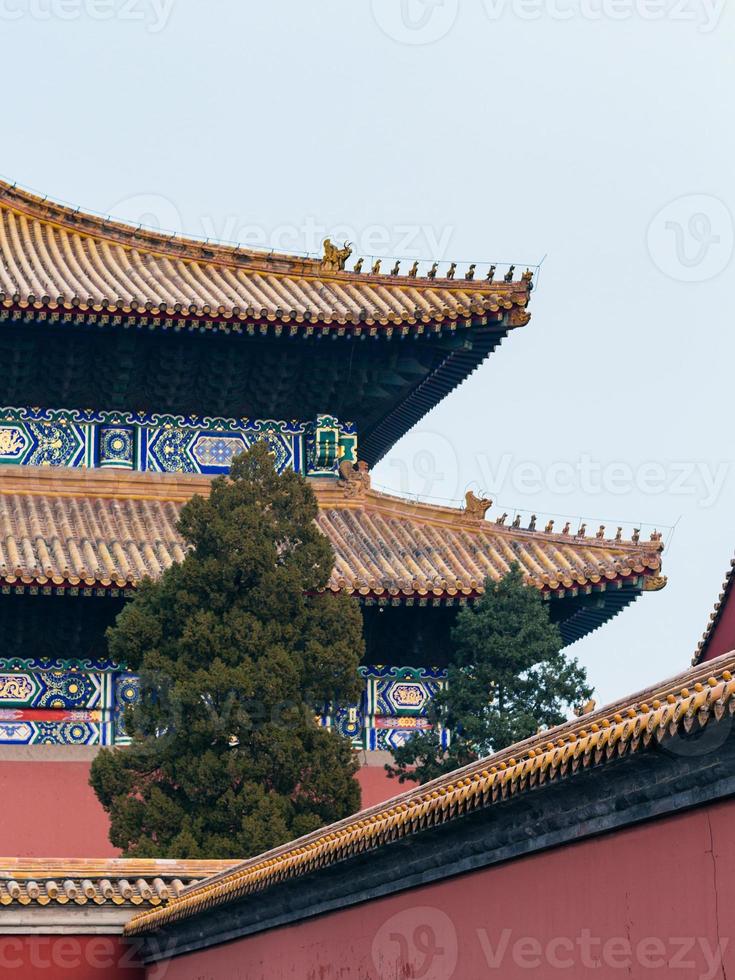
point(42, 624)
point(384, 386)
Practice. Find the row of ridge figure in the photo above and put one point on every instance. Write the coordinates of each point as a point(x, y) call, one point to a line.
point(335, 260)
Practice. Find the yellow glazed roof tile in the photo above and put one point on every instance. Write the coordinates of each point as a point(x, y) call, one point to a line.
point(116, 881)
point(64, 527)
point(57, 259)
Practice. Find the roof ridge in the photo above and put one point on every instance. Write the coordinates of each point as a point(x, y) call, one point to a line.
point(174, 487)
point(499, 526)
point(230, 255)
point(82, 221)
point(25, 867)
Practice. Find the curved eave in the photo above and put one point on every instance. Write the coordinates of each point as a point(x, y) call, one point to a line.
point(38, 583)
point(64, 272)
point(443, 593)
point(249, 321)
point(58, 259)
point(93, 532)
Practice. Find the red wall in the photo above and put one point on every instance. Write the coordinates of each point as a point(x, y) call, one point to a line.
point(723, 635)
point(49, 810)
point(377, 787)
point(81, 957)
point(644, 902)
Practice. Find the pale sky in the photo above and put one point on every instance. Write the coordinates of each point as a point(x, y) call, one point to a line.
point(597, 133)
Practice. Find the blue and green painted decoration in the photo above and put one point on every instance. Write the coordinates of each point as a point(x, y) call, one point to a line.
point(168, 443)
point(57, 702)
point(394, 706)
point(83, 702)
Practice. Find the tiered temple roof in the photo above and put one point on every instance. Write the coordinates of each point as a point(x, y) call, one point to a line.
point(104, 530)
point(127, 352)
point(70, 283)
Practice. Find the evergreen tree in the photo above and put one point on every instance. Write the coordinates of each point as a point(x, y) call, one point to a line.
point(507, 677)
point(238, 649)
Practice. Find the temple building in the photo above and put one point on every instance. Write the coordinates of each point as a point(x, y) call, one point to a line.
point(136, 365)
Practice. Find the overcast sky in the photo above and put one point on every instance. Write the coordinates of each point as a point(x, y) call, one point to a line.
point(597, 133)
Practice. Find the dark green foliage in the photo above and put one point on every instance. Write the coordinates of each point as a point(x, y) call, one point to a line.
point(237, 651)
point(507, 677)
